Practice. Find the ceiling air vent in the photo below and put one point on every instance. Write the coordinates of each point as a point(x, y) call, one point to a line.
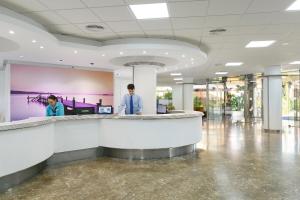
point(217, 31)
point(94, 28)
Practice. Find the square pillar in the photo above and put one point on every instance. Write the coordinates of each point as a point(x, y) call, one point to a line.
point(145, 84)
point(188, 97)
point(272, 103)
point(177, 96)
point(121, 79)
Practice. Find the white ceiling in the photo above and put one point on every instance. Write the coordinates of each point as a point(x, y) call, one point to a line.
point(245, 20)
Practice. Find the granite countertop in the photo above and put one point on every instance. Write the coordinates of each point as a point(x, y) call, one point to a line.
point(38, 121)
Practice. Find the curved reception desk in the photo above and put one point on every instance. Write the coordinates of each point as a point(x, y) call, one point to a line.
point(28, 146)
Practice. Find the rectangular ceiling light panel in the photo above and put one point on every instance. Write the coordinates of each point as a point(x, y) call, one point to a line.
point(150, 11)
point(295, 6)
point(233, 64)
point(260, 44)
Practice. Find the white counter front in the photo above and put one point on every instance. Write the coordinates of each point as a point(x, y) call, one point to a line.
point(26, 143)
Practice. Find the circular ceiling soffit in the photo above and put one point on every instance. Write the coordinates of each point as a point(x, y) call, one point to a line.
point(144, 63)
point(158, 61)
point(8, 45)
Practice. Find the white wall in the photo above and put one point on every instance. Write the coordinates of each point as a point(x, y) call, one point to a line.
point(177, 96)
point(4, 92)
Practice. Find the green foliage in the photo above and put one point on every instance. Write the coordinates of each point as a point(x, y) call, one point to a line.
point(170, 106)
point(168, 95)
point(197, 103)
point(237, 103)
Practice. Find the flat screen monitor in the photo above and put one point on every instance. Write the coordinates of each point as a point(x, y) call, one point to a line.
point(105, 110)
point(84, 110)
point(161, 109)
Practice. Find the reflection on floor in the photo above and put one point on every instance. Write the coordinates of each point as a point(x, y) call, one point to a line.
point(233, 161)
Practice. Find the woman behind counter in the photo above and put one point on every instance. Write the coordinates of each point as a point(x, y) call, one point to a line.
point(55, 108)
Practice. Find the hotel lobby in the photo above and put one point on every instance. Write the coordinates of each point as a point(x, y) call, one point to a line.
point(149, 99)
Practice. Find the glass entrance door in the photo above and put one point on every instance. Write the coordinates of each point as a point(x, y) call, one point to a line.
point(291, 98)
point(216, 101)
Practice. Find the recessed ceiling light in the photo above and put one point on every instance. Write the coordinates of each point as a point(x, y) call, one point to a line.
point(233, 64)
point(183, 55)
point(175, 74)
point(21, 56)
point(103, 55)
point(192, 59)
point(294, 6)
point(144, 52)
point(221, 73)
point(150, 11)
point(41, 47)
point(167, 53)
point(295, 63)
point(75, 51)
point(33, 41)
point(11, 32)
point(178, 79)
point(285, 44)
point(260, 44)
point(121, 53)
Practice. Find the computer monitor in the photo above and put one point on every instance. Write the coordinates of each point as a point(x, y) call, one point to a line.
point(161, 109)
point(105, 110)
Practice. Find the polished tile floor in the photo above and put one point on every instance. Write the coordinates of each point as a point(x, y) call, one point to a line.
point(233, 161)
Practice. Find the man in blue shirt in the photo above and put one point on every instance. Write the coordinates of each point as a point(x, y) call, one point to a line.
point(55, 108)
point(131, 102)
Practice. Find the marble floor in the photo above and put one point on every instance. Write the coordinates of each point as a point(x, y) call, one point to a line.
point(233, 161)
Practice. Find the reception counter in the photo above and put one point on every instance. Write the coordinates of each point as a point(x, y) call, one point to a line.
point(28, 146)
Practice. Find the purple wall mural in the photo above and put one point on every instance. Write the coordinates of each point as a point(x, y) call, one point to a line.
point(30, 85)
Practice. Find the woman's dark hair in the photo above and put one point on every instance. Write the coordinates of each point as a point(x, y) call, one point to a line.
point(130, 86)
point(52, 97)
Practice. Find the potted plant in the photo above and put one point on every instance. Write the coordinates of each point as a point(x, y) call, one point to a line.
point(170, 107)
point(237, 105)
point(168, 95)
point(198, 106)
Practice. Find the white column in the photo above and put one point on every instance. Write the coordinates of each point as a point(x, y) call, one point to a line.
point(177, 96)
point(121, 79)
point(272, 92)
point(4, 92)
point(188, 98)
point(145, 86)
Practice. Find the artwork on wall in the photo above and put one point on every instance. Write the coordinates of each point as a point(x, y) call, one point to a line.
point(31, 85)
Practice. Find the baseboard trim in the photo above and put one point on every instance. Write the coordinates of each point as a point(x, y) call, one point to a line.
point(17, 178)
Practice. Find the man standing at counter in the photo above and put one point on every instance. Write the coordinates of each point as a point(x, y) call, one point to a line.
point(55, 108)
point(131, 102)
